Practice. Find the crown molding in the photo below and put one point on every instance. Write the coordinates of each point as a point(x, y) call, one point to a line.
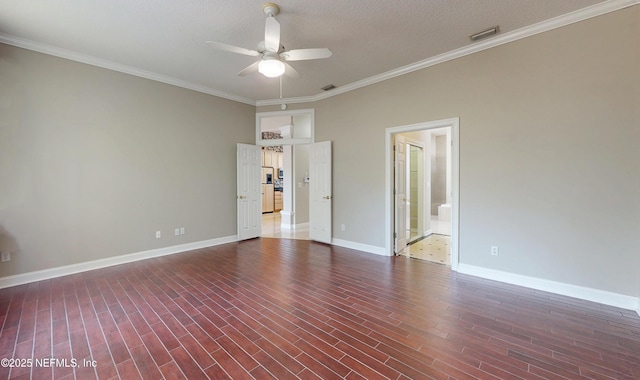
point(99, 62)
point(501, 39)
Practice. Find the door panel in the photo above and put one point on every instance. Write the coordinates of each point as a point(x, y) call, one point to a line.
point(400, 199)
point(249, 197)
point(320, 192)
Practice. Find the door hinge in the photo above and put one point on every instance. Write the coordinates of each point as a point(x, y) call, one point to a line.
point(395, 235)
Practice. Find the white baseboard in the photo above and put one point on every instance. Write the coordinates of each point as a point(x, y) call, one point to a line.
point(589, 294)
point(298, 226)
point(45, 274)
point(286, 219)
point(359, 246)
point(580, 292)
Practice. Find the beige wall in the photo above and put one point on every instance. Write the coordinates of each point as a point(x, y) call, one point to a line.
point(549, 132)
point(93, 162)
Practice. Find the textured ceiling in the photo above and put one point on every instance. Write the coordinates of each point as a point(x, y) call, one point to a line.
point(167, 38)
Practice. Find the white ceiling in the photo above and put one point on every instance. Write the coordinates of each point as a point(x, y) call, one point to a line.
point(165, 40)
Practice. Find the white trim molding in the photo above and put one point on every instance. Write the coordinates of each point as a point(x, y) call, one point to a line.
point(359, 246)
point(501, 39)
point(45, 274)
point(589, 294)
point(110, 65)
point(531, 30)
point(300, 226)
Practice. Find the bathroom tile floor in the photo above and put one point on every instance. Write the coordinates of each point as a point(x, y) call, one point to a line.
point(435, 248)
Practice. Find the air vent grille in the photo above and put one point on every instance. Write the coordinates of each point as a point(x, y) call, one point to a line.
point(485, 34)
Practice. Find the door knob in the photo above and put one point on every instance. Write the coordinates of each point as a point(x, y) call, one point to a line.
point(241, 197)
point(327, 197)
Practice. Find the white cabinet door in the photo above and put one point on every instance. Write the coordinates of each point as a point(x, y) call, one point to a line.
point(320, 202)
point(249, 197)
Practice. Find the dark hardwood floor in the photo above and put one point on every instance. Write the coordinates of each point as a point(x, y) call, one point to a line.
point(269, 308)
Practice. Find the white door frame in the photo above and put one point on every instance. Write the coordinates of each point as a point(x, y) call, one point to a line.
point(454, 123)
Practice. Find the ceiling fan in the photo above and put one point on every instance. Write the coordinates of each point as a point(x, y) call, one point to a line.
point(274, 57)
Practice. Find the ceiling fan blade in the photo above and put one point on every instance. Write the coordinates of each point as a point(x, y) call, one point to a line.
point(304, 54)
point(272, 34)
point(233, 49)
point(252, 68)
point(290, 71)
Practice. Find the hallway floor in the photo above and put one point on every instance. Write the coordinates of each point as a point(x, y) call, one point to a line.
point(271, 228)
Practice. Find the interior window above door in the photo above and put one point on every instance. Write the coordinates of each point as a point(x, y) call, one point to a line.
point(284, 128)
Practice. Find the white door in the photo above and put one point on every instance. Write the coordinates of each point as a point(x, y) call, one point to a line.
point(249, 197)
point(400, 199)
point(320, 194)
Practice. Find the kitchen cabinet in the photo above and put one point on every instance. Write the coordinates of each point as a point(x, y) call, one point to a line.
point(272, 159)
point(277, 202)
point(267, 198)
point(268, 158)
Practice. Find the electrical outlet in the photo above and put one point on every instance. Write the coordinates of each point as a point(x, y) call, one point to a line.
point(177, 231)
point(343, 227)
point(181, 230)
point(6, 256)
point(158, 234)
point(494, 250)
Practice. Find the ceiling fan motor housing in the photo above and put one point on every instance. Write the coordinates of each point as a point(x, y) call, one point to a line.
point(274, 57)
point(271, 9)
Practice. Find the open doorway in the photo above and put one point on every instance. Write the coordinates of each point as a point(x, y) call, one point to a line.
point(285, 195)
point(316, 181)
point(428, 195)
point(289, 218)
point(427, 200)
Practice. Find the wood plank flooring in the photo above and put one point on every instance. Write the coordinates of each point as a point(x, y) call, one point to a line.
point(286, 309)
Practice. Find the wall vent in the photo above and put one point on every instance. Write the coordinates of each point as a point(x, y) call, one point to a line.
point(485, 34)
point(328, 87)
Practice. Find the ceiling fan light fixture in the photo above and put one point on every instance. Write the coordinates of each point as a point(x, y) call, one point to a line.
point(271, 67)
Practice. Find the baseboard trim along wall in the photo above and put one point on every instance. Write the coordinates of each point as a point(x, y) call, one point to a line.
point(359, 246)
point(45, 274)
point(298, 226)
point(575, 291)
point(580, 292)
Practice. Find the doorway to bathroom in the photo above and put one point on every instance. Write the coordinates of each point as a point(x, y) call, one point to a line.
point(423, 187)
point(429, 195)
